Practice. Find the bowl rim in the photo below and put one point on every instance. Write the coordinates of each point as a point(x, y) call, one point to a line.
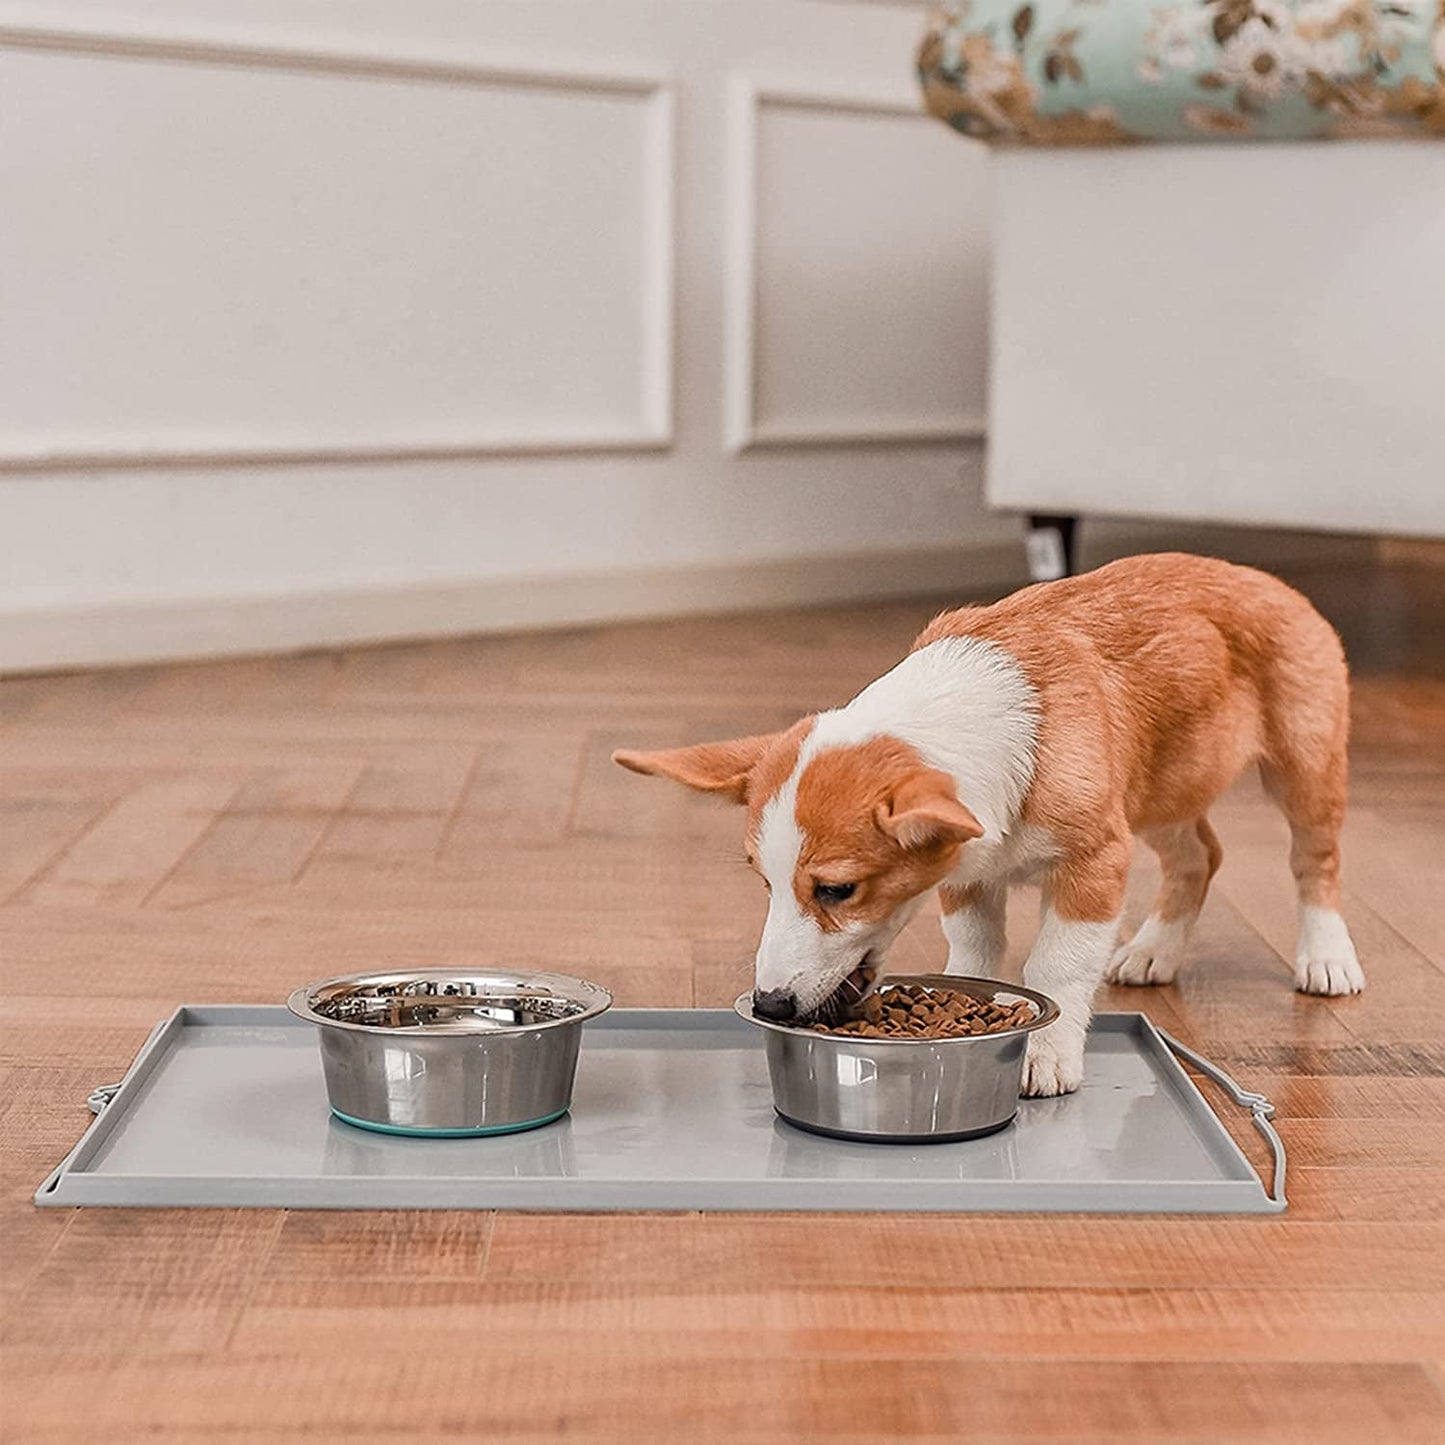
point(594, 999)
point(1048, 1012)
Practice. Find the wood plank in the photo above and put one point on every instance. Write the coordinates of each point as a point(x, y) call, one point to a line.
point(604, 1395)
point(243, 853)
point(978, 1252)
point(1394, 1196)
point(99, 698)
point(1405, 1013)
point(90, 1036)
point(389, 842)
point(154, 1281)
point(420, 778)
point(226, 691)
point(897, 1319)
point(519, 792)
point(316, 1251)
point(267, 838)
point(1395, 1143)
point(567, 888)
point(1393, 865)
point(319, 786)
point(19, 696)
point(227, 953)
point(1410, 1060)
point(1354, 1096)
point(42, 1113)
point(120, 860)
point(31, 1235)
point(34, 832)
point(401, 806)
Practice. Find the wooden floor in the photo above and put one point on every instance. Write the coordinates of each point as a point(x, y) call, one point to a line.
point(222, 832)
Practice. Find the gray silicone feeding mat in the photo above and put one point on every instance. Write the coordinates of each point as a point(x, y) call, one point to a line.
point(672, 1110)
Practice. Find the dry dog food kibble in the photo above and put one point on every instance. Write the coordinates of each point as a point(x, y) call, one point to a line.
point(911, 1011)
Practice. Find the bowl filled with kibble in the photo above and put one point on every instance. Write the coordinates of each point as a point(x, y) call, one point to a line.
point(925, 1058)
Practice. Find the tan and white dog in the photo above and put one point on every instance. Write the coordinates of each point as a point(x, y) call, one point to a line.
point(1033, 738)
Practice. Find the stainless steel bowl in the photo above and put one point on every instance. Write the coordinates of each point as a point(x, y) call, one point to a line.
point(447, 1052)
point(902, 1090)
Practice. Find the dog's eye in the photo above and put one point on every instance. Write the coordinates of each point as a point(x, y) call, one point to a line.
point(830, 893)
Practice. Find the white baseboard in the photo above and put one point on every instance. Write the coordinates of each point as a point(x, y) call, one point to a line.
point(47, 639)
point(50, 639)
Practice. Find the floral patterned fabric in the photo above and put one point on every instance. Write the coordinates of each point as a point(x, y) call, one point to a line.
point(1100, 72)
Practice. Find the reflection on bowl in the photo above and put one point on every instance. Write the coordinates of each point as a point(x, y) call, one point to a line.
point(450, 1053)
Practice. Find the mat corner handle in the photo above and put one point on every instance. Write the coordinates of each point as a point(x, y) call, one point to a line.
point(1261, 1113)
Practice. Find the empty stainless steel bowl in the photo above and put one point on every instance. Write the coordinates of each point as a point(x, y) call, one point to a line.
point(902, 1090)
point(446, 1052)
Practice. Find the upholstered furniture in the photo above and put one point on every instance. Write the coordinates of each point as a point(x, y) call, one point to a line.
point(1067, 72)
point(1229, 331)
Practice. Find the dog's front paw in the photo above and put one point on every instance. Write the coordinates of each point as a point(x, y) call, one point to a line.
point(1326, 962)
point(1053, 1065)
point(1152, 956)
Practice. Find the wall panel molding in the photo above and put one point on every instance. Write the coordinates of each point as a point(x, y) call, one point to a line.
point(458, 66)
point(749, 96)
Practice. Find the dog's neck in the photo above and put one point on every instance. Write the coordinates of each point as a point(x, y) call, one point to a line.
point(967, 708)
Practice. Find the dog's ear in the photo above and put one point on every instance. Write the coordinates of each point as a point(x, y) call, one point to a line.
point(721, 768)
point(924, 810)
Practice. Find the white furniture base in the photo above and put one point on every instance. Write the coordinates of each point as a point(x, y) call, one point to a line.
point(1241, 334)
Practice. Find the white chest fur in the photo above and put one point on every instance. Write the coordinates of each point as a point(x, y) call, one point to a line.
point(1020, 853)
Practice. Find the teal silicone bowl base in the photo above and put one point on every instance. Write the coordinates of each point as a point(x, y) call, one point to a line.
point(477, 1133)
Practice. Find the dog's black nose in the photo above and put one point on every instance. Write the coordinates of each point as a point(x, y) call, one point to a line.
point(777, 1004)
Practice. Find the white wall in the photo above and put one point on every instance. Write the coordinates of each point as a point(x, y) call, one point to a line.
point(324, 320)
point(335, 319)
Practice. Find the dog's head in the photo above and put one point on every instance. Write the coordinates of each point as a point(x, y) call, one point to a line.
point(847, 839)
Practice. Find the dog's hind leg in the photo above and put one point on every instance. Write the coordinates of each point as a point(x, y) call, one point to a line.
point(1190, 855)
point(1313, 800)
point(1305, 769)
